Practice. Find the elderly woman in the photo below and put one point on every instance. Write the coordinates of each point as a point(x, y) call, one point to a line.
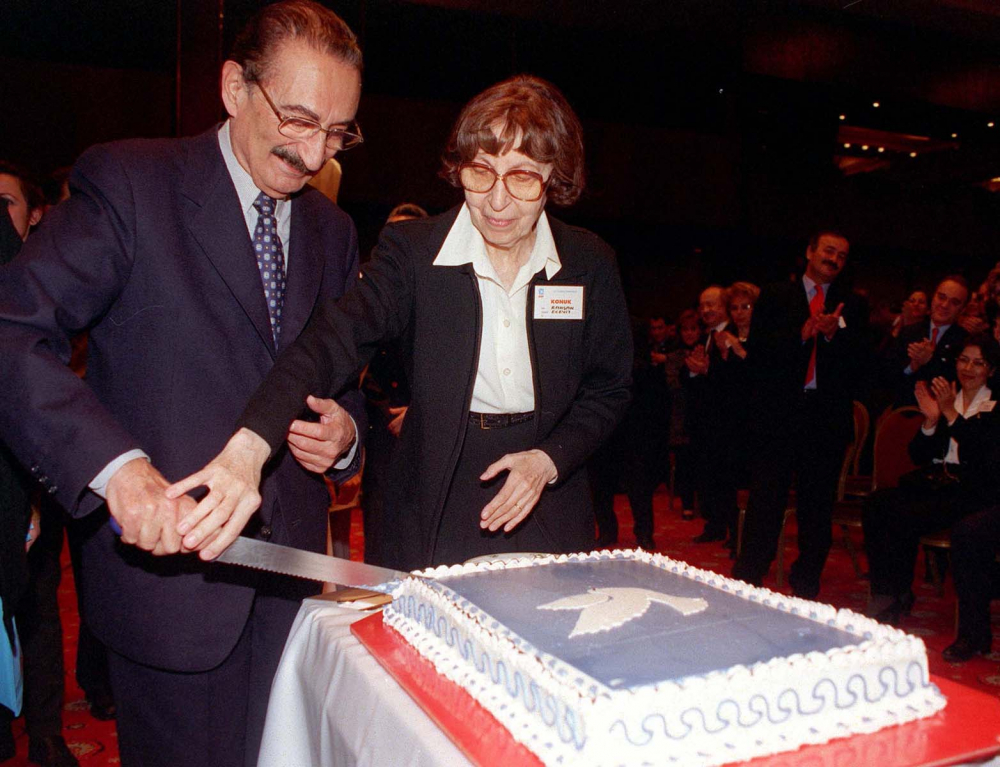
point(956, 477)
point(518, 351)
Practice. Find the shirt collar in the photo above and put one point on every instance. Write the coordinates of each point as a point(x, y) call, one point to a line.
point(810, 285)
point(941, 329)
point(721, 326)
point(246, 190)
point(465, 245)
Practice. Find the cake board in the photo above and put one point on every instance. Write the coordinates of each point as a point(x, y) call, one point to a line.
point(966, 731)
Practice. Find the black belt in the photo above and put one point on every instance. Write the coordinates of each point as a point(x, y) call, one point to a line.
point(498, 420)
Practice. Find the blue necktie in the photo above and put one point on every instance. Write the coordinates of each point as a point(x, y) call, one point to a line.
point(270, 260)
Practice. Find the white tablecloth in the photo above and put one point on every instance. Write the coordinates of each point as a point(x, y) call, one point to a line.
point(333, 704)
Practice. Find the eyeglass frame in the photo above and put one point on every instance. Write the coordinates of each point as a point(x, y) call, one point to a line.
point(283, 119)
point(745, 306)
point(963, 359)
point(503, 178)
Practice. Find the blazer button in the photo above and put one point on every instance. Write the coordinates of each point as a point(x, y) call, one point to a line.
point(265, 532)
point(53, 489)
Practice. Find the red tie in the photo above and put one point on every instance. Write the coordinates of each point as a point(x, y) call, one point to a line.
point(815, 307)
point(934, 332)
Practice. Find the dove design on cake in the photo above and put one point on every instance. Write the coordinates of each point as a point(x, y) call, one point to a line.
point(603, 609)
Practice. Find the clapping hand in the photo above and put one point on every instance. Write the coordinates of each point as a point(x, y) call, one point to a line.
point(920, 353)
point(697, 361)
point(928, 404)
point(945, 392)
point(827, 324)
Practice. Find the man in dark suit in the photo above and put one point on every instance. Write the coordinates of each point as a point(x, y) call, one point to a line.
point(192, 262)
point(927, 349)
point(811, 351)
point(712, 400)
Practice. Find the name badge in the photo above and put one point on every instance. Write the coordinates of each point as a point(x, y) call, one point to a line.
point(558, 302)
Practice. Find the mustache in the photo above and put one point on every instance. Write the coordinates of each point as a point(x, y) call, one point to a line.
point(292, 158)
point(831, 264)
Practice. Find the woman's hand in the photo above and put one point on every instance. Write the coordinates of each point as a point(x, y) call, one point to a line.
point(232, 479)
point(945, 392)
point(530, 472)
point(927, 404)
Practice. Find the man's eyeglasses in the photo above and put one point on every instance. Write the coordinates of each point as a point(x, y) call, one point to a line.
point(524, 185)
point(963, 360)
point(737, 307)
point(301, 128)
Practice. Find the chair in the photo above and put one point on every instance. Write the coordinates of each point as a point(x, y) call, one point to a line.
point(939, 540)
point(891, 457)
point(862, 424)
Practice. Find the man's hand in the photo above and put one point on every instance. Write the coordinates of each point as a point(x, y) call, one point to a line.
point(920, 353)
point(396, 424)
point(529, 472)
point(317, 446)
point(809, 329)
point(828, 324)
point(137, 499)
point(656, 358)
point(232, 479)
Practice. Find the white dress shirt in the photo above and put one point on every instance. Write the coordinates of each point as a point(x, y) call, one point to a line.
point(247, 192)
point(504, 382)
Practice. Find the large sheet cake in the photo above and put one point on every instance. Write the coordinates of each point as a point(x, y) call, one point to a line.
point(630, 658)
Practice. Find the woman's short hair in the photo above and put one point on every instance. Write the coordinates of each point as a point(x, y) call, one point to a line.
point(530, 111)
point(988, 347)
point(747, 289)
point(32, 192)
point(303, 20)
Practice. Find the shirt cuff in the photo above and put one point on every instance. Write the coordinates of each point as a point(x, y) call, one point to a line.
point(99, 483)
point(908, 370)
point(344, 462)
point(928, 432)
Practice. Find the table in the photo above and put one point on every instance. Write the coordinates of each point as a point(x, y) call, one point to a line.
point(332, 703)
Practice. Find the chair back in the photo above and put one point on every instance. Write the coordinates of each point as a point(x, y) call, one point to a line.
point(892, 439)
point(862, 423)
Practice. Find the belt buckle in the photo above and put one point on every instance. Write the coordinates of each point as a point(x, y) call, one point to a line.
point(482, 422)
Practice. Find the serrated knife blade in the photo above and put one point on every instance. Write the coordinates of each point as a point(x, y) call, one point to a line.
point(272, 557)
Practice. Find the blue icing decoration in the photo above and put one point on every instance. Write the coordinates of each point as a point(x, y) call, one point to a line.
point(730, 632)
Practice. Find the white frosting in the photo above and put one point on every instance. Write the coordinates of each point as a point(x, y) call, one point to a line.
point(569, 718)
point(609, 608)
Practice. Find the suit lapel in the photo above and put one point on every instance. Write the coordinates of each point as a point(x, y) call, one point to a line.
point(305, 269)
point(217, 224)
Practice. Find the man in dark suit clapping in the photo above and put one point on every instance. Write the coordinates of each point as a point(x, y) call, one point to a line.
point(192, 262)
point(927, 349)
point(811, 350)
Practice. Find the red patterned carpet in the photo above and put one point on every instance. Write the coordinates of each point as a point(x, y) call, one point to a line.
point(933, 618)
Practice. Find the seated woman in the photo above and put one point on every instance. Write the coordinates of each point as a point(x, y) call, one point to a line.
point(955, 478)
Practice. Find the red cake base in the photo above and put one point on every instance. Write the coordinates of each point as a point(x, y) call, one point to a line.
point(967, 730)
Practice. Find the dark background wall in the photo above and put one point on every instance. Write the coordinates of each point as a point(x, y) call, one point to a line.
point(713, 127)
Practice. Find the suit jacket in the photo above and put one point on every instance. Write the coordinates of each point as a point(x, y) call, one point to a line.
point(151, 254)
point(780, 359)
point(941, 363)
point(715, 400)
point(582, 372)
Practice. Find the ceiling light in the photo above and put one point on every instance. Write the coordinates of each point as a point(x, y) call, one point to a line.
point(864, 147)
point(881, 149)
point(876, 104)
point(843, 117)
point(847, 146)
point(913, 154)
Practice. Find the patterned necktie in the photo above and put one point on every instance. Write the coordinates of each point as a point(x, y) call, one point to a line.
point(270, 260)
point(816, 305)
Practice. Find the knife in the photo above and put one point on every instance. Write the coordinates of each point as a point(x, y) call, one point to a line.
point(261, 555)
point(274, 558)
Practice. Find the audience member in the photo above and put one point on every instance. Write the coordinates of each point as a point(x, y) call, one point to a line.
point(648, 429)
point(915, 309)
point(927, 349)
point(810, 356)
point(153, 252)
point(685, 459)
point(37, 611)
point(387, 397)
point(955, 477)
point(712, 407)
